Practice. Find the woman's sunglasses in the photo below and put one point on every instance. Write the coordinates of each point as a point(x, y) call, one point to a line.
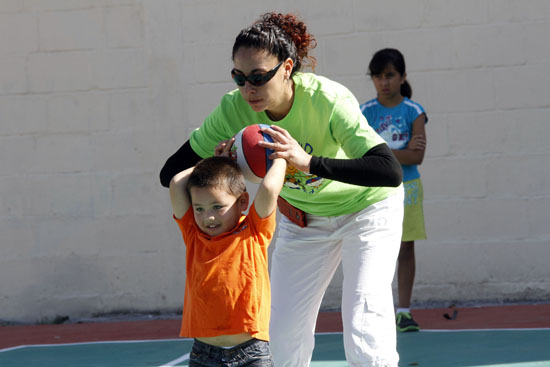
point(255, 79)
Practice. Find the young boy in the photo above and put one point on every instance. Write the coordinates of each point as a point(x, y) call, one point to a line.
point(227, 291)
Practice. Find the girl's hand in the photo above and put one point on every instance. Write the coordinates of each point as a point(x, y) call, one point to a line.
point(286, 147)
point(417, 142)
point(224, 148)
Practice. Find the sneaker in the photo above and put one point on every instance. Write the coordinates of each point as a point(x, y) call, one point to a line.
point(406, 323)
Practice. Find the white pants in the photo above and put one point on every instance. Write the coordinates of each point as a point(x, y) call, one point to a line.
point(305, 260)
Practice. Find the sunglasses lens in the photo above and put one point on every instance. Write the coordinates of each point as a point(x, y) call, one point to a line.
point(238, 79)
point(254, 79)
point(257, 79)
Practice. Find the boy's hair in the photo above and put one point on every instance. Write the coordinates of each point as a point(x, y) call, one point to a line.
point(220, 172)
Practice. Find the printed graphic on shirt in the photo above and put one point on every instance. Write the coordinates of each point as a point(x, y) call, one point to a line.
point(298, 180)
point(393, 131)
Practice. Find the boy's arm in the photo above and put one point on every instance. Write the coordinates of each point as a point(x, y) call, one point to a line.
point(178, 194)
point(269, 189)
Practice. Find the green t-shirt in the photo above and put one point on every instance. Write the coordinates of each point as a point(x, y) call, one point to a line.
point(326, 120)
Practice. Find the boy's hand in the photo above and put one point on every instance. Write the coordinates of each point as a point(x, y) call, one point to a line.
point(224, 148)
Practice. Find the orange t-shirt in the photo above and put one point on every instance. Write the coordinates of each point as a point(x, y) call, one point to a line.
point(227, 289)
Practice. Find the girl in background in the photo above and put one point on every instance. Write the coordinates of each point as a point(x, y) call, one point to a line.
point(400, 122)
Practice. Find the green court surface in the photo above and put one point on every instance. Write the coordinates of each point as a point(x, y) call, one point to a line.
point(483, 348)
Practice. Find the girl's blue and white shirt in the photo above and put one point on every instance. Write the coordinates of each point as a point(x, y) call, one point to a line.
point(394, 125)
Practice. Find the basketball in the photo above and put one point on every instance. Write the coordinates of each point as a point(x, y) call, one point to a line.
point(253, 159)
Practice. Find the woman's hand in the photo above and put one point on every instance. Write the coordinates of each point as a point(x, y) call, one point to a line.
point(286, 147)
point(224, 148)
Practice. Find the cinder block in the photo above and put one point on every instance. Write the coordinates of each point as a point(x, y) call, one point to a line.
point(125, 152)
point(77, 112)
point(11, 6)
point(522, 87)
point(326, 19)
point(132, 194)
point(213, 57)
point(57, 30)
point(535, 52)
point(340, 56)
point(441, 218)
point(60, 72)
point(515, 12)
point(452, 177)
point(453, 14)
point(15, 203)
point(437, 136)
point(515, 176)
point(124, 26)
point(457, 90)
point(130, 110)
point(480, 133)
point(488, 45)
point(204, 98)
point(424, 49)
point(23, 115)
point(197, 21)
point(381, 16)
point(121, 68)
point(18, 154)
point(61, 154)
point(18, 33)
point(59, 4)
point(13, 78)
point(538, 210)
point(60, 195)
point(495, 219)
point(531, 132)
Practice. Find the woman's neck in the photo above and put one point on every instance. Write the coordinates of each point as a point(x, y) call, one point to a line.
point(282, 109)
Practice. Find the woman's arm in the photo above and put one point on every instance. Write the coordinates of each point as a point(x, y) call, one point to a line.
point(184, 158)
point(378, 167)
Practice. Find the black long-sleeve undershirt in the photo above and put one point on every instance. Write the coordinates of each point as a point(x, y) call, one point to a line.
point(378, 167)
point(184, 158)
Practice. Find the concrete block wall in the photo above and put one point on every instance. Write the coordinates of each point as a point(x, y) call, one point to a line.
point(96, 94)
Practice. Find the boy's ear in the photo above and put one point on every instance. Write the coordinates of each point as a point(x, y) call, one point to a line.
point(243, 201)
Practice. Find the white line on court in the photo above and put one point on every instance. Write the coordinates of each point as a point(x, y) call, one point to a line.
point(184, 357)
point(86, 343)
point(496, 329)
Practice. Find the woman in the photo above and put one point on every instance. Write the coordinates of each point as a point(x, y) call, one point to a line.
point(342, 179)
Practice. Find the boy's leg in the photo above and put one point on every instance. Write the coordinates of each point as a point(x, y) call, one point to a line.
point(255, 353)
point(303, 263)
point(369, 256)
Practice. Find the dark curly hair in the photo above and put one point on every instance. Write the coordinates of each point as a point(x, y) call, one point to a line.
point(281, 35)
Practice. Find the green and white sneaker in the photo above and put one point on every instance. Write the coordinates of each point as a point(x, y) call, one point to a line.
point(405, 322)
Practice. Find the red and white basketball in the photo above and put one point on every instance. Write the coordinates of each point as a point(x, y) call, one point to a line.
point(253, 159)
